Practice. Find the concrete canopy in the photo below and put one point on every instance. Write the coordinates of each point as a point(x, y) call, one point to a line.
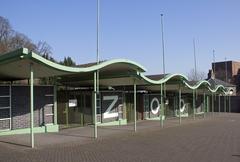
point(16, 66)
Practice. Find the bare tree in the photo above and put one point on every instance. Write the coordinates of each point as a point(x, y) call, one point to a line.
point(200, 75)
point(44, 49)
point(19, 40)
point(5, 34)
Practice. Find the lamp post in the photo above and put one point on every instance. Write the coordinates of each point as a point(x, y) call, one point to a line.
point(195, 59)
point(214, 70)
point(226, 74)
point(163, 46)
point(96, 76)
point(164, 72)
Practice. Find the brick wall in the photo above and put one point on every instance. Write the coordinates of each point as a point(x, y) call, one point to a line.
point(20, 102)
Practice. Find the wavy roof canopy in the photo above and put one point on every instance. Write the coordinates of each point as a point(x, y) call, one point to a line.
point(16, 65)
point(178, 79)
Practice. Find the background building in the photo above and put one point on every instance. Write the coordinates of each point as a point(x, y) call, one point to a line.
point(227, 71)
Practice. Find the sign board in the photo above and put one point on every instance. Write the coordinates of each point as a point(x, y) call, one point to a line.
point(111, 106)
point(72, 103)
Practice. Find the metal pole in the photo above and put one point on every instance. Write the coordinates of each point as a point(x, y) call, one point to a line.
point(163, 46)
point(161, 108)
point(219, 103)
point(194, 105)
point(204, 104)
point(180, 120)
point(212, 104)
point(98, 15)
point(229, 98)
point(135, 107)
point(98, 57)
point(95, 106)
point(31, 105)
point(163, 53)
point(226, 69)
point(214, 62)
point(55, 104)
point(225, 103)
point(195, 59)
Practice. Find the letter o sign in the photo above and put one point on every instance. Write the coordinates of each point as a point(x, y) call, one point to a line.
point(155, 110)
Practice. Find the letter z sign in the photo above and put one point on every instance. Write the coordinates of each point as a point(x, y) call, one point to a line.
point(108, 113)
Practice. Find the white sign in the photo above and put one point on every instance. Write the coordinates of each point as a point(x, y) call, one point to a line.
point(107, 113)
point(72, 103)
point(156, 109)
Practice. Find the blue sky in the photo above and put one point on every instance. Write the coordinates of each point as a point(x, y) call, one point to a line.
point(131, 29)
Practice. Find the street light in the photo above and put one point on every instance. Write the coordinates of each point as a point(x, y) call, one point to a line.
point(226, 69)
point(163, 46)
point(195, 59)
point(214, 70)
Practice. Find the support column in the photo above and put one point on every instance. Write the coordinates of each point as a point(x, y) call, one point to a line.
point(207, 103)
point(212, 104)
point(194, 104)
point(161, 108)
point(225, 103)
point(31, 105)
point(135, 106)
point(95, 106)
point(204, 104)
point(55, 104)
point(229, 102)
point(219, 103)
point(180, 96)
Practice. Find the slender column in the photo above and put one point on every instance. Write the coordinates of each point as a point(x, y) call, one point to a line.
point(161, 108)
point(204, 104)
point(212, 104)
point(135, 107)
point(194, 104)
point(95, 106)
point(55, 104)
point(31, 105)
point(180, 118)
point(219, 103)
point(229, 102)
point(207, 104)
point(225, 103)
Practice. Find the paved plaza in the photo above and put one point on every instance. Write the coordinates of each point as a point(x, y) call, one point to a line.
point(212, 139)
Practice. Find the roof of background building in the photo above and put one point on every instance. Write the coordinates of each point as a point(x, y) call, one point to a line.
point(214, 82)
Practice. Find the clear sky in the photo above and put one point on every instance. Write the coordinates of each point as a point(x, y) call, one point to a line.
point(131, 29)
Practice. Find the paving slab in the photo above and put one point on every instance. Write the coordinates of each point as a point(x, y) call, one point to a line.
point(215, 138)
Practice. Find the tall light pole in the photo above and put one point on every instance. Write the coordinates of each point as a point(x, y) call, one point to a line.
point(214, 70)
point(163, 46)
point(195, 59)
point(226, 69)
point(98, 11)
point(164, 72)
point(96, 77)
